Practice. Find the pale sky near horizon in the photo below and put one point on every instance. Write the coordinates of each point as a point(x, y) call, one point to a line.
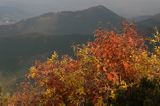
point(127, 8)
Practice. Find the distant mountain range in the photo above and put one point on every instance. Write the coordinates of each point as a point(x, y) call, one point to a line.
point(148, 25)
point(11, 15)
point(140, 18)
point(65, 23)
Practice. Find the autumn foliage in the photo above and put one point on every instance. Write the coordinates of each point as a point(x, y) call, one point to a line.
point(112, 63)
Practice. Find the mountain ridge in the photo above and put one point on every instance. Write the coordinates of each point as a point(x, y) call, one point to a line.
point(66, 22)
point(149, 24)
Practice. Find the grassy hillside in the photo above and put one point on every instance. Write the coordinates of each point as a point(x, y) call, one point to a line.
point(17, 54)
point(15, 51)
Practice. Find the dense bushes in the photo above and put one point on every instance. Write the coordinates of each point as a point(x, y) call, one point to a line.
point(114, 69)
point(147, 93)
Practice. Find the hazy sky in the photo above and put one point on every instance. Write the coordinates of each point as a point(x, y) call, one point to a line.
point(128, 8)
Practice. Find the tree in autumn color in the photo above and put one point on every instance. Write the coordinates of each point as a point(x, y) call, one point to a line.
point(103, 67)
